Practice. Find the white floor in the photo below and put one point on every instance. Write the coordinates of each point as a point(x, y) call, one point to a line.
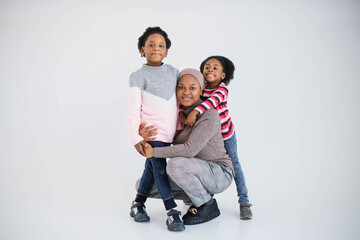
point(276, 216)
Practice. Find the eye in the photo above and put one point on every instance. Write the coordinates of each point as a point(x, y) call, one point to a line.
point(192, 88)
point(215, 68)
point(180, 87)
point(206, 67)
point(151, 45)
point(161, 46)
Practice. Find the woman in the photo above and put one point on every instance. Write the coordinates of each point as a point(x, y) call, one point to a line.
point(198, 161)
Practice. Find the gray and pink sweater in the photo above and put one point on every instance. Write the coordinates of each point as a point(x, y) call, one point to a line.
point(153, 100)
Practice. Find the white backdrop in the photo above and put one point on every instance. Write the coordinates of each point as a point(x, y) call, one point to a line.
point(67, 168)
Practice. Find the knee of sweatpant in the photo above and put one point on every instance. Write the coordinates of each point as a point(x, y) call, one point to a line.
point(175, 165)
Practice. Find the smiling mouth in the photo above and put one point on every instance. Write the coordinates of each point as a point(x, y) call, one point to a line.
point(187, 98)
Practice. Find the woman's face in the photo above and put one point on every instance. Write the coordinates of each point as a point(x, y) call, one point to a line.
point(188, 91)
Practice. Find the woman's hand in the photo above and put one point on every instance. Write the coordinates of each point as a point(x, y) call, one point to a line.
point(149, 151)
point(139, 147)
point(191, 119)
point(148, 133)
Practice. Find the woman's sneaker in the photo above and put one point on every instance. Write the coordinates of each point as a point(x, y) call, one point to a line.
point(204, 213)
point(245, 211)
point(174, 222)
point(138, 212)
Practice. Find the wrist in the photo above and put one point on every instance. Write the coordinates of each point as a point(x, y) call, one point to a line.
point(197, 110)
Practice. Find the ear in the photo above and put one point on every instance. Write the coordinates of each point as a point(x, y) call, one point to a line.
point(223, 75)
point(166, 52)
point(142, 51)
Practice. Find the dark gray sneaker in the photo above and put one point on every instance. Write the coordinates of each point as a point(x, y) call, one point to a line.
point(174, 222)
point(245, 211)
point(138, 212)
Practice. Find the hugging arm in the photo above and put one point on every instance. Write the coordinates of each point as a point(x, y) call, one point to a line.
point(191, 118)
point(218, 96)
point(202, 132)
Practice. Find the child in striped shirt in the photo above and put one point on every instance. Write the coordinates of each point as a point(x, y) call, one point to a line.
point(217, 72)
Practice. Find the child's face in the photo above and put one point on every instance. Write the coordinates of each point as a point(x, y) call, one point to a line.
point(154, 49)
point(188, 90)
point(213, 72)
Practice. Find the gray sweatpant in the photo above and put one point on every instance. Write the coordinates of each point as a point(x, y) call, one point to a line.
point(196, 179)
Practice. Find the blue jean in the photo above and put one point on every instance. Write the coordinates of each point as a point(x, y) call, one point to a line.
point(231, 149)
point(155, 172)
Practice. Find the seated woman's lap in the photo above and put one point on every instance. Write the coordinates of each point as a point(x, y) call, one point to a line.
point(199, 178)
point(195, 179)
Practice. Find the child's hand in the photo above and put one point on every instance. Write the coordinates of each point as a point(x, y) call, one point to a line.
point(191, 119)
point(149, 151)
point(148, 133)
point(182, 118)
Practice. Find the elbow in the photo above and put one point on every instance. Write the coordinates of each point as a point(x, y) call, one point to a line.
point(190, 153)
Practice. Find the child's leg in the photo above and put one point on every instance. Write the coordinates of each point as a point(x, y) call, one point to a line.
point(146, 182)
point(231, 149)
point(155, 171)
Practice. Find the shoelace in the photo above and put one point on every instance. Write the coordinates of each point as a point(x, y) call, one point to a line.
point(139, 206)
point(175, 214)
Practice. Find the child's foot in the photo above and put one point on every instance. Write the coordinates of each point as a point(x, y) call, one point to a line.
point(245, 211)
point(138, 212)
point(174, 222)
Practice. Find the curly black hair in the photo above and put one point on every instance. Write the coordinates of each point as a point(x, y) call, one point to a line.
point(228, 67)
point(152, 30)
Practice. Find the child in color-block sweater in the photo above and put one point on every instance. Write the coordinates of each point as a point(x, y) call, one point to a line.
point(153, 100)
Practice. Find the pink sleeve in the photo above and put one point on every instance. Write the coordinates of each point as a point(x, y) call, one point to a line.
point(134, 115)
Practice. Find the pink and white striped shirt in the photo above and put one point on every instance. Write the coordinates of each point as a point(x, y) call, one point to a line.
point(217, 99)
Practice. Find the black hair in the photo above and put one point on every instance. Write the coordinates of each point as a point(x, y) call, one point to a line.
point(152, 30)
point(228, 67)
